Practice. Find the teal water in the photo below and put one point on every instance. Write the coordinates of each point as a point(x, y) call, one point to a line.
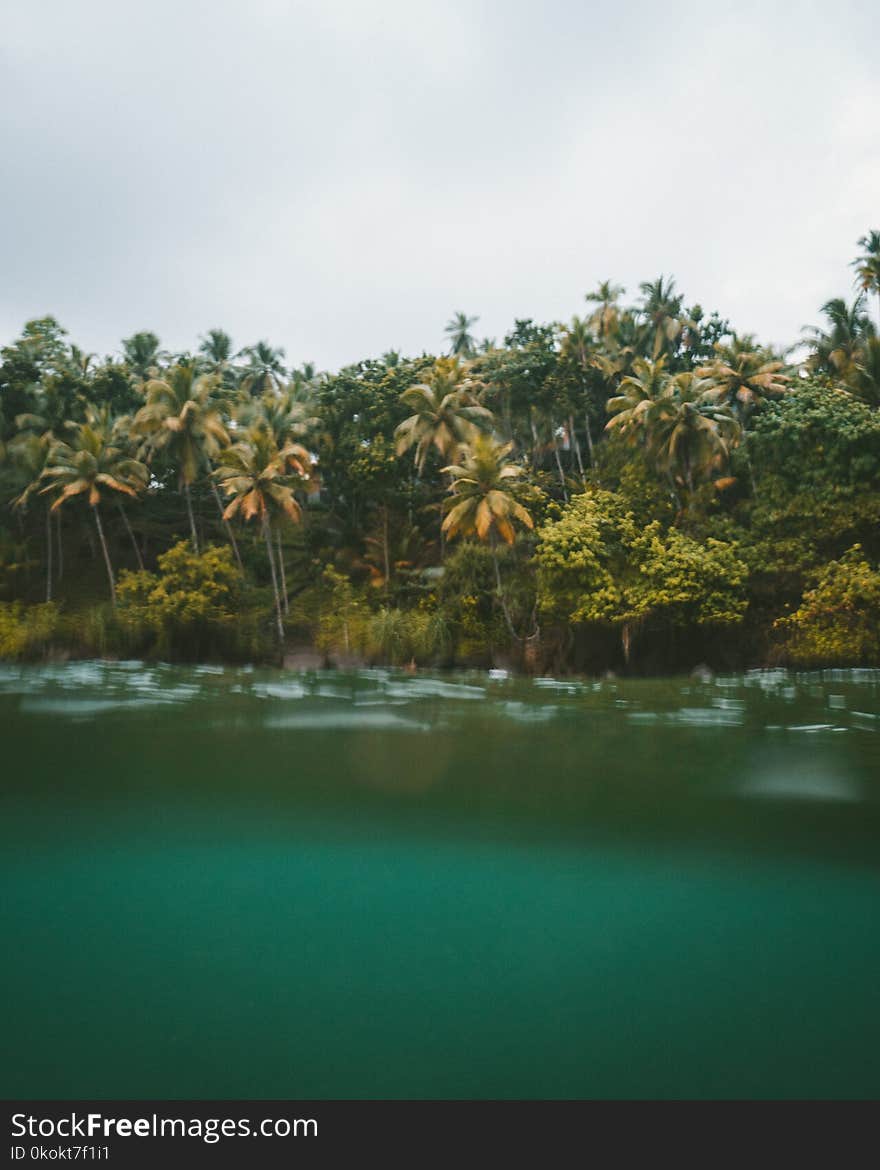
point(234, 883)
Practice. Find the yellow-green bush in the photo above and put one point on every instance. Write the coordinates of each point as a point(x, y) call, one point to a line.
point(838, 620)
point(26, 631)
point(188, 608)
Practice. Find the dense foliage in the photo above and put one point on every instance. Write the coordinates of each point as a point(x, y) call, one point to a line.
point(641, 488)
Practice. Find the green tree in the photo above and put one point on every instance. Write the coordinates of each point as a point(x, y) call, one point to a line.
point(29, 454)
point(604, 321)
point(689, 435)
point(745, 375)
point(446, 412)
point(838, 620)
point(461, 340)
point(188, 605)
point(264, 369)
point(143, 355)
point(483, 503)
point(867, 265)
point(599, 564)
point(661, 312)
point(92, 464)
point(181, 421)
point(258, 479)
point(836, 349)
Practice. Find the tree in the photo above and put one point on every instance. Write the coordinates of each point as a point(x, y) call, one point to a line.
point(662, 314)
point(216, 352)
point(577, 347)
point(142, 354)
point(605, 318)
point(838, 620)
point(287, 416)
point(29, 454)
point(863, 378)
point(188, 605)
point(745, 375)
point(264, 370)
point(836, 349)
point(599, 564)
point(677, 419)
point(257, 477)
point(92, 464)
point(637, 395)
point(867, 265)
point(483, 503)
point(461, 340)
point(688, 435)
point(181, 421)
point(446, 412)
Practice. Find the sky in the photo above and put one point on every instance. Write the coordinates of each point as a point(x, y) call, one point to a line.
point(339, 176)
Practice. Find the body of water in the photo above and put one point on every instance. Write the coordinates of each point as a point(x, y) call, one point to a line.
point(251, 883)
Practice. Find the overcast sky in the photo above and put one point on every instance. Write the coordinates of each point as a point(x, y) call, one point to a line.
point(339, 176)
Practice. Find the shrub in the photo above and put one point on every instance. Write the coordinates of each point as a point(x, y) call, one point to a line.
point(188, 608)
point(838, 620)
point(26, 631)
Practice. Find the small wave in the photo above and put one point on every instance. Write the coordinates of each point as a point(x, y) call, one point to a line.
point(344, 721)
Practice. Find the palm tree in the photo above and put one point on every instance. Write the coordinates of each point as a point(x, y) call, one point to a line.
point(265, 369)
point(181, 420)
point(258, 478)
point(577, 345)
point(93, 463)
point(661, 309)
point(482, 503)
point(867, 265)
point(446, 413)
point(864, 376)
point(836, 349)
point(687, 433)
point(29, 454)
point(604, 319)
point(744, 375)
point(288, 421)
point(286, 414)
point(79, 361)
point(216, 357)
point(461, 340)
point(637, 395)
point(142, 354)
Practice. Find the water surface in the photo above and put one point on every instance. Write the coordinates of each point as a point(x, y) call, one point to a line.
point(251, 883)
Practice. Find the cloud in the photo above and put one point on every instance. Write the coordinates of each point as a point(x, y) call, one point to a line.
point(339, 176)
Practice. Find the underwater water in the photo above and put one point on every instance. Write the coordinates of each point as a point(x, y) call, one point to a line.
point(224, 882)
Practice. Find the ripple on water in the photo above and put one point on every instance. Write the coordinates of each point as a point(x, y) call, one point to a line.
point(343, 721)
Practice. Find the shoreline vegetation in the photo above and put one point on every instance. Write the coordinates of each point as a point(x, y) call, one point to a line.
point(642, 490)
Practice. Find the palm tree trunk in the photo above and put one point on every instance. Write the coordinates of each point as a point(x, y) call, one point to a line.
point(48, 553)
point(110, 577)
point(589, 439)
point(626, 638)
point(134, 543)
point(751, 475)
point(577, 445)
point(227, 526)
point(535, 445)
point(192, 519)
point(279, 622)
point(60, 546)
point(385, 551)
point(673, 491)
point(283, 574)
point(559, 461)
point(501, 597)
